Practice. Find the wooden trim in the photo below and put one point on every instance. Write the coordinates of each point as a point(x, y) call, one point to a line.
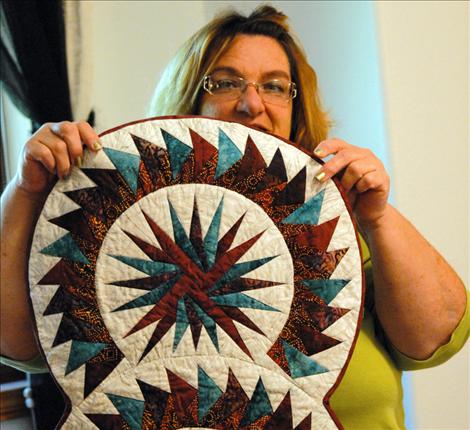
point(12, 405)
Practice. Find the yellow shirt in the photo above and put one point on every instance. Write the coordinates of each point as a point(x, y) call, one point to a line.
point(370, 396)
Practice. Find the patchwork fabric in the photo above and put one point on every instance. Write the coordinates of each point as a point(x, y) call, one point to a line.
point(193, 274)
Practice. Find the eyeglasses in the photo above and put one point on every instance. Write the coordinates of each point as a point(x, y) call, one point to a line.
point(229, 87)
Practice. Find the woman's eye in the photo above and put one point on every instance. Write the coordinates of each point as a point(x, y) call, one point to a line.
point(275, 87)
point(227, 84)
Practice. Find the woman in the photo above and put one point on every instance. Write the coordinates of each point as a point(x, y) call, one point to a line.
point(250, 70)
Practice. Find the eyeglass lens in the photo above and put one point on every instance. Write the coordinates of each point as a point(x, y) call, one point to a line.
point(228, 87)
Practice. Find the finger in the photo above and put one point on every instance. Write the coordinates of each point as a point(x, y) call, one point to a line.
point(339, 162)
point(352, 196)
point(68, 132)
point(330, 146)
point(59, 151)
point(355, 171)
point(42, 154)
point(55, 137)
point(75, 135)
point(89, 136)
point(372, 181)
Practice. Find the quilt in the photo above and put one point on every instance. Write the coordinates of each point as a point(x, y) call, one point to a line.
point(194, 274)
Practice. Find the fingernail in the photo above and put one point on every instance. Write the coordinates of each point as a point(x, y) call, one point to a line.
point(96, 145)
point(320, 177)
point(319, 152)
point(79, 162)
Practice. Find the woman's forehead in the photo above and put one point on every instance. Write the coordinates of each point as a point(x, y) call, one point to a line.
point(258, 55)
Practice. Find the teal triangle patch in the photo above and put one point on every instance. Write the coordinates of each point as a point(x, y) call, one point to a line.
point(212, 236)
point(241, 300)
point(209, 393)
point(258, 406)
point(229, 154)
point(131, 410)
point(81, 352)
point(127, 165)
point(150, 267)
point(65, 247)
point(208, 323)
point(181, 238)
point(177, 151)
point(240, 269)
point(327, 289)
point(300, 364)
point(151, 298)
point(308, 213)
point(182, 323)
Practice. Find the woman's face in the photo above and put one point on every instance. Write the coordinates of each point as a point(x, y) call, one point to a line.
point(257, 59)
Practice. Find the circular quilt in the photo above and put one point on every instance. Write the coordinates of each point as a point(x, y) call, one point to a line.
point(194, 274)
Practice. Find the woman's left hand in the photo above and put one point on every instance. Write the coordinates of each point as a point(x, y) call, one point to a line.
point(419, 301)
point(362, 176)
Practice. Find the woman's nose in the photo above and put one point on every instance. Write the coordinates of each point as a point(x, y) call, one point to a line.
point(250, 102)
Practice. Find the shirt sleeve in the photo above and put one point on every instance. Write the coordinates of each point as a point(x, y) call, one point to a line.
point(35, 365)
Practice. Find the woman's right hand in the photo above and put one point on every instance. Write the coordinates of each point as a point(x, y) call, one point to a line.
point(53, 150)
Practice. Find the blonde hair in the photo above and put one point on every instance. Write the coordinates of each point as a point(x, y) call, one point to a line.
point(180, 88)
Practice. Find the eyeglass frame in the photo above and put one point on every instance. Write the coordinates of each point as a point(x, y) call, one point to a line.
point(208, 78)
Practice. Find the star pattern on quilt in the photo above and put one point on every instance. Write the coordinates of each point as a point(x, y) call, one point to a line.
point(199, 277)
point(195, 281)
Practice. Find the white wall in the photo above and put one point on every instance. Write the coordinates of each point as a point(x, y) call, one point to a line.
point(425, 60)
point(16, 133)
point(132, 41)
point(425, 64)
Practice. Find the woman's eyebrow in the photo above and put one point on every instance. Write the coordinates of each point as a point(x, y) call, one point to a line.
point(272, 74)
point(276, 74)
point(226, 69)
